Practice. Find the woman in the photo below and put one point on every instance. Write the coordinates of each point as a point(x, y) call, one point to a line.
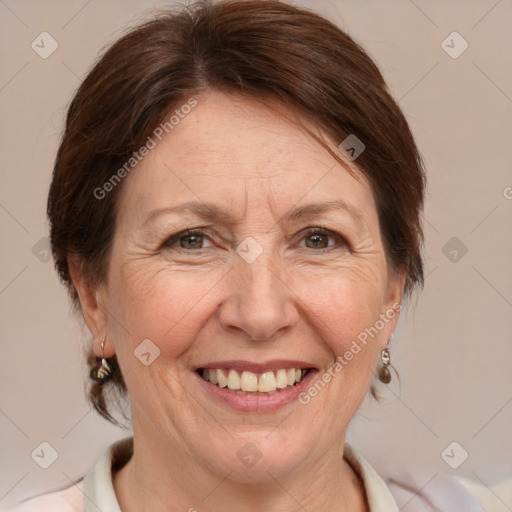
point(235, 211)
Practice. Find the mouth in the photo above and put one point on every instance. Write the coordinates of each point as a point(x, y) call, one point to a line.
point(254, 387)
point(246, 382)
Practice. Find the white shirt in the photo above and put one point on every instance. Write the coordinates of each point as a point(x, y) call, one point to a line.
point(96, 491)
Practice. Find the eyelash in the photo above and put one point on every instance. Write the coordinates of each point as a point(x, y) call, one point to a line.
point(169, 242)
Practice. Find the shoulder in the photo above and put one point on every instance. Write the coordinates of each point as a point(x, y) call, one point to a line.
point(95, 491)
point(418, 489)
point(415, 488)
point(70, 499)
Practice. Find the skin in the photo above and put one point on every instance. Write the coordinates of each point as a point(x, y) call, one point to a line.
point(203, 302)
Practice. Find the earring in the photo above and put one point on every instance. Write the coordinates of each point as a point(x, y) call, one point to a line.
point(384, 374)
point(103, 372)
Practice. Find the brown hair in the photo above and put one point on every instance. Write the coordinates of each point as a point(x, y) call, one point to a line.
point(260, 48)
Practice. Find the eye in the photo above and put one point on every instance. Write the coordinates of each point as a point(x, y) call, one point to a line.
point(319, 239)
point(189, 240)
point(316, 238)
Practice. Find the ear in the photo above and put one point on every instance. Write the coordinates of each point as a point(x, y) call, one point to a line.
point(92, 300)
point(392, 304)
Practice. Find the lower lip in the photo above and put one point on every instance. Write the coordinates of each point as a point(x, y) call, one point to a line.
point(257, 403)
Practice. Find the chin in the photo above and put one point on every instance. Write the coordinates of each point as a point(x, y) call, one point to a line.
point(262, 458)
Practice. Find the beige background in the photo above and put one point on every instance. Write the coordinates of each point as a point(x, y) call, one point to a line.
point(453, 347)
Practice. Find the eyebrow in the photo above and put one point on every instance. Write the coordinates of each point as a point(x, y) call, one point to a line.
point(212, 213)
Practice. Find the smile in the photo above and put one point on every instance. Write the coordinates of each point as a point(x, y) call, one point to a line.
point(250, 383)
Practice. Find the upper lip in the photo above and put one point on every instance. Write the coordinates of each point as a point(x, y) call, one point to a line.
point(251, 366)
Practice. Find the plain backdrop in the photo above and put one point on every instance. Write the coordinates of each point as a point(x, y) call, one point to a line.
point(453, 347)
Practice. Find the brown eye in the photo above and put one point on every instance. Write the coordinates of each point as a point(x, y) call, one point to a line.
point(188, 240)
point(191, 241)
point(322, 239)
point(317, 241)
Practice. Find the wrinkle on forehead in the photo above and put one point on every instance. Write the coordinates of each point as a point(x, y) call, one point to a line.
point(224, 140)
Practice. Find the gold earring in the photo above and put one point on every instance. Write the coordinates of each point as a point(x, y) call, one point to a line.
point(103, 372)
point(384, 374)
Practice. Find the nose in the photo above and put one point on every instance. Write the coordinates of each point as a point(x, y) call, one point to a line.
point(260, 304)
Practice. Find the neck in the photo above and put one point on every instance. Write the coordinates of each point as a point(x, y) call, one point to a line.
point(162, 477)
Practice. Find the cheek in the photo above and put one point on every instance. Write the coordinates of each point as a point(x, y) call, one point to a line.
point(346, 307)
point(155, 303)
point(348, 302)
point(345, 317)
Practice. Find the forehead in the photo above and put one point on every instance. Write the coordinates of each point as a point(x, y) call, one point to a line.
point(232, 149)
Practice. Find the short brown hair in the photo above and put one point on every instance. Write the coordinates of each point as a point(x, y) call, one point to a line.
point(259, 48)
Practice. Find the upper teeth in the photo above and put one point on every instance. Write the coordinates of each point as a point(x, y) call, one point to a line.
point(249, 381)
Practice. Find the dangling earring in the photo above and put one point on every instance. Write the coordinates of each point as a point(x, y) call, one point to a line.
point(384, 374)
point(103, 372)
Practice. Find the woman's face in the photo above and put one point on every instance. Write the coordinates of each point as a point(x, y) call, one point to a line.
point(288, 272)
